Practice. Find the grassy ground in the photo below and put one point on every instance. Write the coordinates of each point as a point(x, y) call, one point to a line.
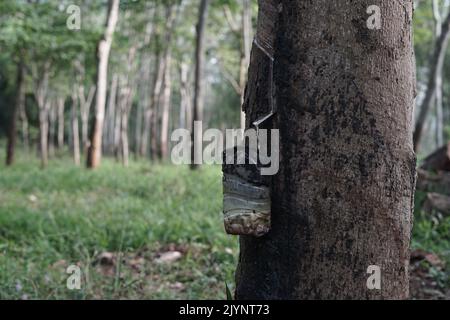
point(65, 215)
point(115, 223)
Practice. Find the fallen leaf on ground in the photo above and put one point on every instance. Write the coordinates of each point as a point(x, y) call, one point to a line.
point(168, 257)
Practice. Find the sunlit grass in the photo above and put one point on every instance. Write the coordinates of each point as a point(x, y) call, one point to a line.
point(64, 214)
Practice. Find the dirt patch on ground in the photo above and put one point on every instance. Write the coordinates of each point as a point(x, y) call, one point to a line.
point(429, 277)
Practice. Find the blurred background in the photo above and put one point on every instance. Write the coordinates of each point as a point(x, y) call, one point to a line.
point(138, 226)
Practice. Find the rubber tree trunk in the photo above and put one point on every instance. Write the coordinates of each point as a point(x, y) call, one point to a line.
point(60, 106)
point(197, 114)
point(245, 51)
point(437, 63)
point(185, 97)
point(52, 129)
point(41, 95)
point(43, 133)
point(166, 95)
point(19, 103)
point(85, 107)
point(439, 83)
point(75, 129)
point(103, 50)
point(24, 126)
point(342, 199)
point(111, 115)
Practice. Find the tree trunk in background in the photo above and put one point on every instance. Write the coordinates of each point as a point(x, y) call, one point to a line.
point(19, 103)
point(41, 95)
point(185, 97)
point(117, 121)
point(125, 110)
point(126, 103)
point(103, 50)
point(144, 79)
point(75, 129)
point(60, 105)
point(108, 137)
point(343, 197)
point(150, 112)
point(245, 52)
point(43, 132)
point(146, 131)
point(52, 129)
point(197, 114)
point(439, 104)
point(166, 109)
point(143, 83)
point(437, 63)
point(153, 113)
point(24, 125)
point(85, 107)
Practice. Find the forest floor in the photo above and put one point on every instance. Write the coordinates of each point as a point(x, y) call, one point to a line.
point(143, 232)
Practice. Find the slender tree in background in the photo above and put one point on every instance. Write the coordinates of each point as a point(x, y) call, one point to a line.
point(245, 51)
point(342, 200)
point(126, 102)
point(185, 97)
point(19, 104)
point(436, 64)
point(108, 136)
point(52, 128)
point(75, 127)
point(24, 126)
point(151, 114)
point(103, 50)
point(243, 32)
point(166, 95)
point(144, 81)
point(197, 114)
point(41, 75)
point(60, 106)
point(439, 81)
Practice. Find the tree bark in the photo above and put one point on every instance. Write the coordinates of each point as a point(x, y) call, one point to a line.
point(437, 63)
point(24, 124)
point(126, 103)
point(151, 112)
point(60, 106)
point(43, 133)
point(85, 107)
point(197, 114)
point(343, 197)
point(245, 52)
point(439, 93)
point(19, 103)
point(185, 97)
point(103, 50)
point(144, 79)
point(75, 129)
point(52, 129)
point(166, 109)
point(41, 95)
point(111, 115)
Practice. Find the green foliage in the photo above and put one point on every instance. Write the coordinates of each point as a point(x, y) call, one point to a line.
point(67, 213)
point(432, 234)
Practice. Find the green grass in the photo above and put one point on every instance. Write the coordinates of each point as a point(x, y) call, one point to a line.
point(431, 232)
point(67, 215)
